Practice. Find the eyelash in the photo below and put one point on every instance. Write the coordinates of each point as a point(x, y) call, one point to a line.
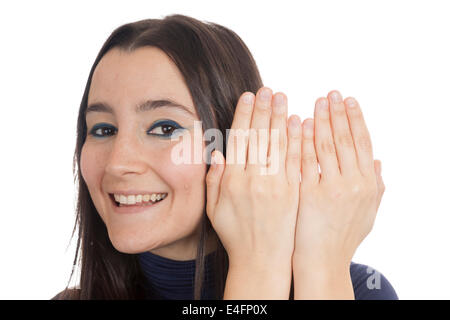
point(156, 125)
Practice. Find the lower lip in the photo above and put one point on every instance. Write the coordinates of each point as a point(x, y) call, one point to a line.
point(136, 209)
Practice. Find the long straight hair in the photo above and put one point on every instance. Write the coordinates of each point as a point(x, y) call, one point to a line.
point(217, 68)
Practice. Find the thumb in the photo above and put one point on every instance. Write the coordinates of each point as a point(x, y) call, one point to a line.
point(377, 164)
point(380, 183)
point(213, 180)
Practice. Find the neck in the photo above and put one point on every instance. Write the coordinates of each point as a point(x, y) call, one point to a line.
point(186, 248)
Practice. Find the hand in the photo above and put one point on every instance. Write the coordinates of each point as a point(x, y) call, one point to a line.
point(337, 207)
point(253, 213)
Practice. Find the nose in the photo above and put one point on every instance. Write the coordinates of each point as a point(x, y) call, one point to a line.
point(125, 156)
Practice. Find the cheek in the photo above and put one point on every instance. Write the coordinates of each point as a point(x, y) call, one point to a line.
point(86, 164)
point(91, 168)
point(192, 173)
point(189, 200)
point(187, 181)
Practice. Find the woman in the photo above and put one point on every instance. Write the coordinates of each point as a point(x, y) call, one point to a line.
point(143, 218)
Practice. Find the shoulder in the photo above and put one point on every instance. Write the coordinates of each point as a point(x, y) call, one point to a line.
point(68, 294)
point(370, 284)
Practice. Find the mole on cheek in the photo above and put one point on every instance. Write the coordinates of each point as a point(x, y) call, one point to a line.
point(187, 188)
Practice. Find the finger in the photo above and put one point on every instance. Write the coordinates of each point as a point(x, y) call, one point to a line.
point(259, 135)
point(278, 135)
point(213, 180)
point(237, 136)
point(343, 140)
point(309, 168)
point(294, 151)
point(323, 136)
point(361, 136)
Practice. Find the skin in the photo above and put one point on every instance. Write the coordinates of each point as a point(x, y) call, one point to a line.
point(271, 226)
point(254, 215)
point(337, 207)
point(130, 158)
point(269, 239)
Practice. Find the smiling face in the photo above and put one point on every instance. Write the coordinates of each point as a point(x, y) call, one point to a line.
point(126, 149)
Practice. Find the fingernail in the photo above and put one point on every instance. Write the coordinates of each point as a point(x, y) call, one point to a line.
point(308, 132)
point(294, 125)
point(280, 103)
point(351, 103)
point(265, 94)
point(336, 97)
point(322, 104)
point(248, 98)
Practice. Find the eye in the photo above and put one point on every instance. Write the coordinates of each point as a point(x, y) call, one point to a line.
point(102, 130)
point(164, 128)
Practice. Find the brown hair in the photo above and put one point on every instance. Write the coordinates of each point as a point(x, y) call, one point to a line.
point(217, 68)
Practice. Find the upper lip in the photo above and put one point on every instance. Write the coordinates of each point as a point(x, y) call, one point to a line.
point(134, 192)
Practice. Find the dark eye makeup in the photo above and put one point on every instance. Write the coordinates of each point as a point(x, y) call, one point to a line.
point(103, 130)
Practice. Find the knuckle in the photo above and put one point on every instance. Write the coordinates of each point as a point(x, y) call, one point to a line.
point(294, 136)
point(357, 189)
point(244, 111)
point(264, 110)
point(327, 147)
point(364, 143)
point(324, 117)
point(356, 114)
point(367, 190)
point(345, 140)
point(257, 188)
point(336, 193)
point(227, 184)
point(294, 155)
point(340, 112)
point(309, 158)
point(307, 140)
point(277, 194)
point(294, 146)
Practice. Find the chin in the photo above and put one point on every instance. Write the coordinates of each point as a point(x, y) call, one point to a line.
point(130, 242)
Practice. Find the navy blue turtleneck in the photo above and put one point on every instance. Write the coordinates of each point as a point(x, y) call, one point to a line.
point(174, 280)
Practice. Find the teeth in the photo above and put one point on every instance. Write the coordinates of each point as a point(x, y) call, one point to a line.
point(133, 199)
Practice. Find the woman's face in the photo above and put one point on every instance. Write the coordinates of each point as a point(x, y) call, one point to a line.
point(121, 153)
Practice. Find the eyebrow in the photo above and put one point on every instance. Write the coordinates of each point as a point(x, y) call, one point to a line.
point(142, 107)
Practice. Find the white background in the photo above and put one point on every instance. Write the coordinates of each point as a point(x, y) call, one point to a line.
point(393, 56)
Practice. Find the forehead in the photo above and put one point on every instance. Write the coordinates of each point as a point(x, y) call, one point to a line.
point(129, 77)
